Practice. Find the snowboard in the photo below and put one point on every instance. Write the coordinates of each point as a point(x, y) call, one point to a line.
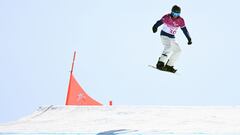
point(161, 70)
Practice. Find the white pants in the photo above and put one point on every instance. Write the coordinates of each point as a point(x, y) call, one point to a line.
point(171, 51)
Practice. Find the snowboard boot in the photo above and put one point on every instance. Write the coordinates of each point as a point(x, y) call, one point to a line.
point(170, 69)
point(160, 65)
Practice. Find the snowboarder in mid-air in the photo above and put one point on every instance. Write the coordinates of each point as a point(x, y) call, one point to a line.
point(171, 22)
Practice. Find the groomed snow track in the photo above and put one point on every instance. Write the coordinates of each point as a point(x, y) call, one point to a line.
point(128, 120)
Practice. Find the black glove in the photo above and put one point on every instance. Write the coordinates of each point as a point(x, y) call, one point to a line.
point(189, 42)
point(154, 29)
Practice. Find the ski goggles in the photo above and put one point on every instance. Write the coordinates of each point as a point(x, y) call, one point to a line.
point(175, 14)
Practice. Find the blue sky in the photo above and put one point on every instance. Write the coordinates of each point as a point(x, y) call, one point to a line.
point(115, 45)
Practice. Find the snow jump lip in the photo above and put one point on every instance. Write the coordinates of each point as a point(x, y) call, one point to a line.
point(135, 120)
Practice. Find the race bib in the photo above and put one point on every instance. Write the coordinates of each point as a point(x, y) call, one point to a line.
point(169, 29)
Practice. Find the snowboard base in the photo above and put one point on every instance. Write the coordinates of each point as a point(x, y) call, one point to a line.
point(162, 70)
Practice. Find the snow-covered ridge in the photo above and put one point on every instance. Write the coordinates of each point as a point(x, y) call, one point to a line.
point(148, 119)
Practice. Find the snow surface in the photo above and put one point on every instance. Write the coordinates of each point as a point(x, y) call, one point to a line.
point(129, 119)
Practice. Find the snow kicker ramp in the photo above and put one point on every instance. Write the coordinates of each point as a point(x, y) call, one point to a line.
point(137, 120)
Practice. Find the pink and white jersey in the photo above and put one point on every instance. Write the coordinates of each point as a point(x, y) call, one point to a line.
point(172, 24)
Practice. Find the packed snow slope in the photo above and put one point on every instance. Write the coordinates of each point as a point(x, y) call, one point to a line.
point(148, 119)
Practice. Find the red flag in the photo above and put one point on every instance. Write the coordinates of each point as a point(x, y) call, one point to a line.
point(76, 95)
